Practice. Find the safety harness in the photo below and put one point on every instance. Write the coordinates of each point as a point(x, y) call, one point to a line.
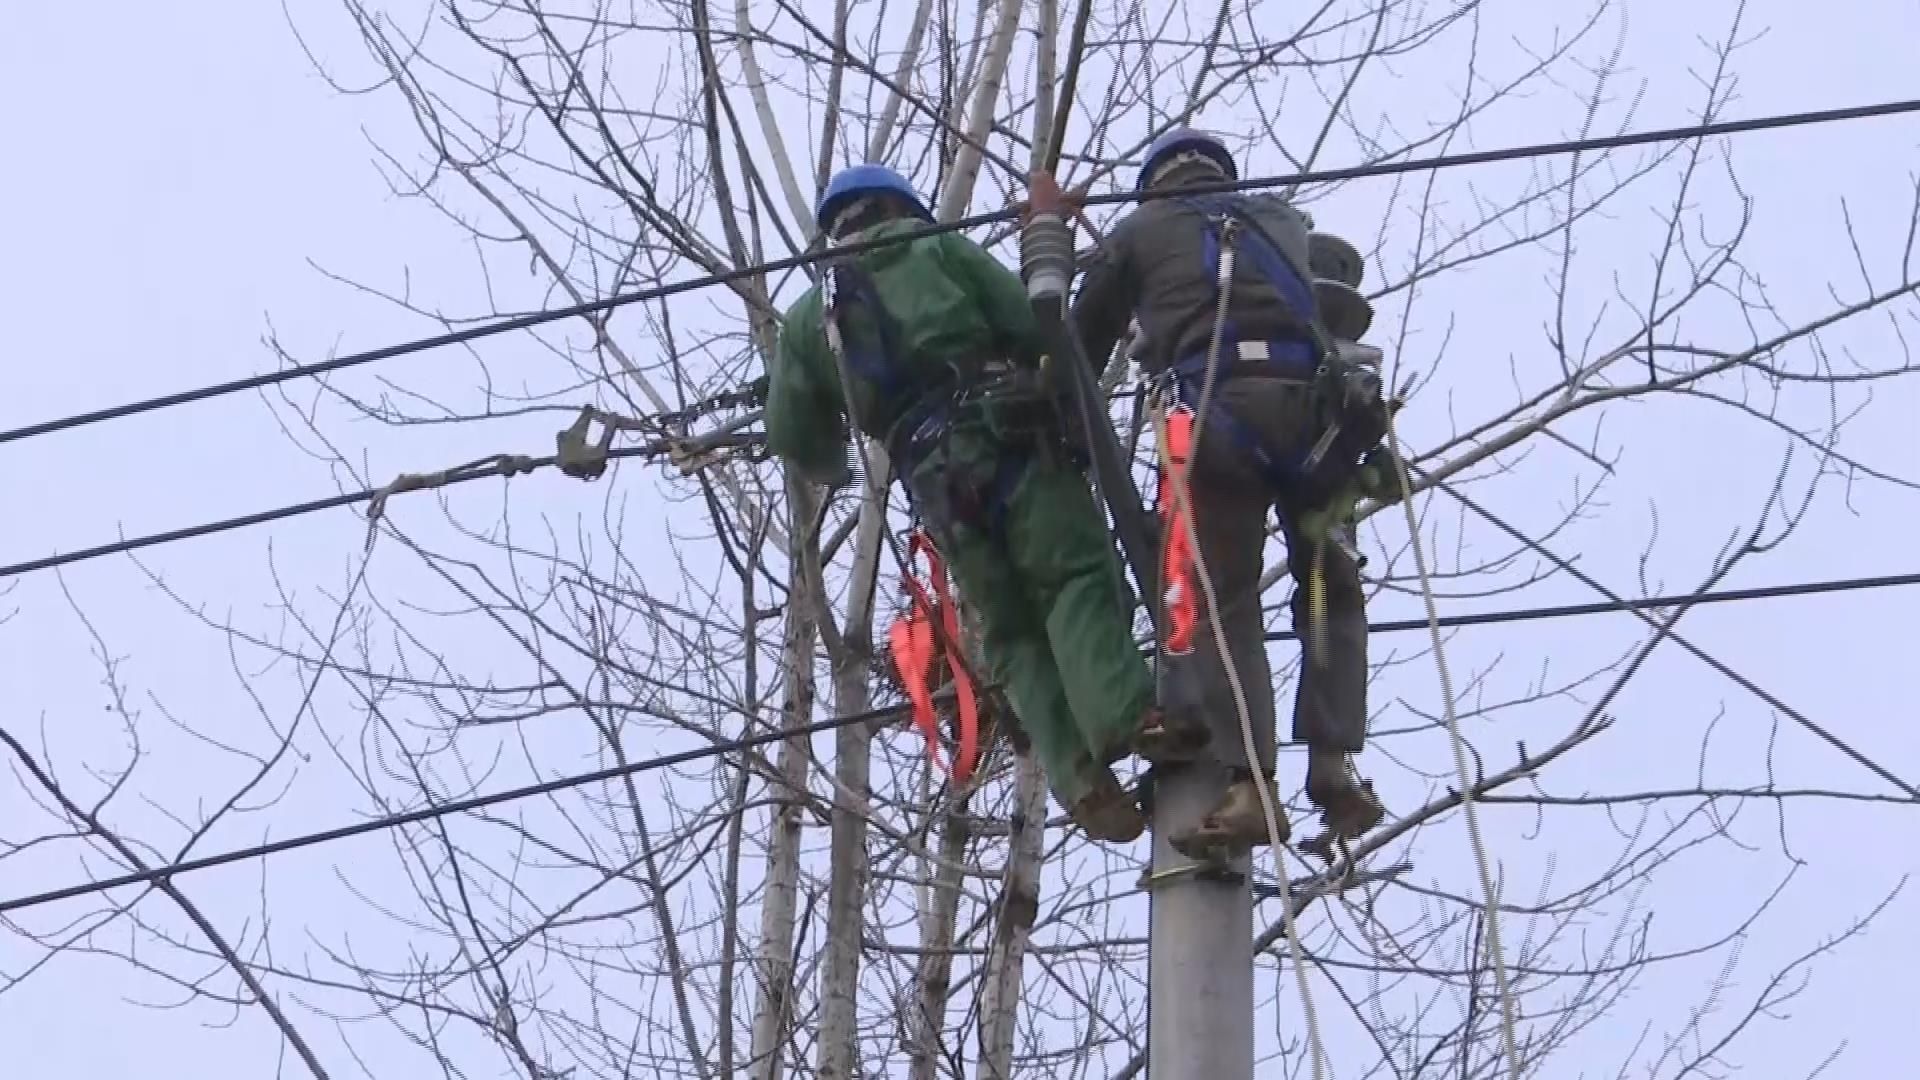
point(1351, 417)
point(926, 638)
point(1008, 398)
point(1325, 481)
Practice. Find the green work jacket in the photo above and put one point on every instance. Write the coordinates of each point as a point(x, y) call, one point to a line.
point(951, 301)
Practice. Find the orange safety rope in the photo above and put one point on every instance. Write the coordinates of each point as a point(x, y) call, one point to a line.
point(918, 647)
point(1182, 597)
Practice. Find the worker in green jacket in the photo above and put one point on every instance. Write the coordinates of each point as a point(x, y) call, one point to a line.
point(931, 345)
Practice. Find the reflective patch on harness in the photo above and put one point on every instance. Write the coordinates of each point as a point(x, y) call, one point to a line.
point(920, 641)
point(1177, 572)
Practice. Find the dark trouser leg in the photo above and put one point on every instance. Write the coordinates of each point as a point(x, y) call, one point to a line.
point(1231, 503)
point(1330, 706)
point(1230, 527)
point(1330, 709)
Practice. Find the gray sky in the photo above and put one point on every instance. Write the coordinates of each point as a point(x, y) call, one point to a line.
point(180, 179)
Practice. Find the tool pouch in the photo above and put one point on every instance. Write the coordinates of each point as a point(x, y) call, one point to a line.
point(1353, 419)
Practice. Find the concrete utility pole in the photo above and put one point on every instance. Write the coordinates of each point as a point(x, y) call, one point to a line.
point(1200, 946)
point(1200, 956)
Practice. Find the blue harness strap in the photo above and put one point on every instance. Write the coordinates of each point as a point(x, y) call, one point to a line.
point(854, 290)
point(1297, 352)
point(1279, 272)
point(922, 426)
point(922, 429)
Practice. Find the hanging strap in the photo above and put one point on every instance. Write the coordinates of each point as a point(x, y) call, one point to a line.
point(928, 633)
point(1180, 587)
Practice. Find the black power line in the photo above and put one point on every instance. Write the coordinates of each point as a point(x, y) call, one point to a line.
point(590, 307)
point(477, 802)
point(262, 517)
point(1570, 146)
point(427, 813)
point(1601, 607)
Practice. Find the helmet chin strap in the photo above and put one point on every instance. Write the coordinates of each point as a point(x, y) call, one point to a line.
point(855, 210)
point(1183, 160)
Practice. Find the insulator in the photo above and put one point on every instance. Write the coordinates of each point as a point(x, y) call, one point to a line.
point(1360, 366)
point(1345, 313)
point(1356, 355)
point(1329, 256)
point(1046, 256)
point(1337, 272)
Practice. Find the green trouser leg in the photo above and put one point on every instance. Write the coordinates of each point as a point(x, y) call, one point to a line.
point(1047, 596)
point(1059, 538)
point(1020, 660)
point(1012, 637)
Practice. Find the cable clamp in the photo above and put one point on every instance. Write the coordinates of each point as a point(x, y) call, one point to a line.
point(504, 465)
point(577, 455)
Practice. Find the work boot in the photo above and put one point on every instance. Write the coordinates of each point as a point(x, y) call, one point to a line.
point(1348, 806)
point(1234, 827)
point(1165, 738)
point(1107, 812)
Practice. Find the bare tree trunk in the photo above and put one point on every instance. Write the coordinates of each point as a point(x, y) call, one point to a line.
point(909, 57)
point(799, 204)
point(986, 98)
point(853, 746)
point(847, 888)
point(774, 963)
point(1019, 904)
point(934, 978)
point(1020, 881)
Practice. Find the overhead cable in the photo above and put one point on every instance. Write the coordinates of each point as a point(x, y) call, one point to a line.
point(477, 802)
point(592, 307)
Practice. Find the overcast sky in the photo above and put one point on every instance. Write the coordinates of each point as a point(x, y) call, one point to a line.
point(180, 183)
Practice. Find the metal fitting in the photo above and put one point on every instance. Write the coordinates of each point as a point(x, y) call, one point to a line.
point(577, 453)
point(1355, 355)
point(1046, 256)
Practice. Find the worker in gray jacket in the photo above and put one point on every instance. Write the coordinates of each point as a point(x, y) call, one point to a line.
point(1273, 436)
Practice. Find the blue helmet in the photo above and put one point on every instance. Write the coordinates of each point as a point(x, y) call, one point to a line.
point(1184, 140)
point(852, 183)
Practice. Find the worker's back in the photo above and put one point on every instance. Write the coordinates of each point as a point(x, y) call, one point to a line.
point(1162, 247)
point(938, 319)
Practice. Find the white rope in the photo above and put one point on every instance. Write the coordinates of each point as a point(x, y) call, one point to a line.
point(1468, 803)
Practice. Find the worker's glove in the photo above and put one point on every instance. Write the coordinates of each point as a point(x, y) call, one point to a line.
point(1379, 476)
